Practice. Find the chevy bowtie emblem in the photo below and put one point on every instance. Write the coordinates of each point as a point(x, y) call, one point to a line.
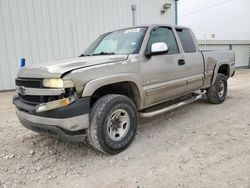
point(21, 90)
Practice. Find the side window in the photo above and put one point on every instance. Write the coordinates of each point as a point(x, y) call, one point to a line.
point(186, 40)
point(164, 34)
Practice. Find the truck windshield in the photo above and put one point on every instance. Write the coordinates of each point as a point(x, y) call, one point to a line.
point(126, 41)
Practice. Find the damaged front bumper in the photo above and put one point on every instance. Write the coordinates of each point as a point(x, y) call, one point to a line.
point(68, 122)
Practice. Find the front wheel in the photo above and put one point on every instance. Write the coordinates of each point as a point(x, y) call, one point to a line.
point(218, 92)
point(113, 124)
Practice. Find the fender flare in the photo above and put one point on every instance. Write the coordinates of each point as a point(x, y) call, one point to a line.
point(216, 69)
point(92, 85)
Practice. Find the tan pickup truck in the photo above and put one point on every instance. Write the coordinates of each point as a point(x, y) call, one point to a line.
point(140, 71)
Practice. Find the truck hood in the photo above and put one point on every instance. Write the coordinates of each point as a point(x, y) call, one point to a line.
point(55, 69)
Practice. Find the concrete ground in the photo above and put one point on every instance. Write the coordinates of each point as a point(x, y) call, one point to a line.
point(199, 145)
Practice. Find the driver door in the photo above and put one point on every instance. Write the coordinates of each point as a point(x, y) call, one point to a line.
point(164, 75)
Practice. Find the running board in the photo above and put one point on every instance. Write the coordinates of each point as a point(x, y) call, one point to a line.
point(172, 107)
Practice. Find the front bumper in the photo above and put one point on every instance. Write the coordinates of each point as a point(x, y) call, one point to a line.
point(66, 122)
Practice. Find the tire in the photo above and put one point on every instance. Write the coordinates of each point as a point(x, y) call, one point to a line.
point(218, 92)
point(113, 124)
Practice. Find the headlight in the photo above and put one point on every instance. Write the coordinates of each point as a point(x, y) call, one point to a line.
point(58, 83)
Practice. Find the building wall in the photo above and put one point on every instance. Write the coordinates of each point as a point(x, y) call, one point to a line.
point(41, 30)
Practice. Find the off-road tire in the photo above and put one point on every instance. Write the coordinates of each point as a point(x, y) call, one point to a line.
point(213, 92)
point(100, 113)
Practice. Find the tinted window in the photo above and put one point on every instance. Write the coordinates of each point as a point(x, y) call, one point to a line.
point(186, 40)
point(164, 34)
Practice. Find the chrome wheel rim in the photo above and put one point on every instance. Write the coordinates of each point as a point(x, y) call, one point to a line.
point(118, 125)
point(221, 89)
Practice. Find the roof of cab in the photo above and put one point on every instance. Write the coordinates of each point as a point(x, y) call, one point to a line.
point(152, 26)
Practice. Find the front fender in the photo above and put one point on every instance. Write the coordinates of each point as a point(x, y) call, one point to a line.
point(91, 86)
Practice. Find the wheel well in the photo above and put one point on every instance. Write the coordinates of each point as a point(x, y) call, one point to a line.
point(224, 69)
point(128, 89)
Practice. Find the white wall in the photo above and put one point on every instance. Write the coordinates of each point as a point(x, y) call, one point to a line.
point(41, 30)
point(227, 19)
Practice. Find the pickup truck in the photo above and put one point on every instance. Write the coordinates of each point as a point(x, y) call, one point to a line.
point(125, 74)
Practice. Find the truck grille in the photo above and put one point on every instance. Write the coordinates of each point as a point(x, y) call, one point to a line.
point(32, 83)
point(33, 99)
point(30, 99)
point(26, 82)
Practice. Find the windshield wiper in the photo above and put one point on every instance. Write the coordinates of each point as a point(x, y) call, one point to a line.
point(83, 55)
point(105, 53)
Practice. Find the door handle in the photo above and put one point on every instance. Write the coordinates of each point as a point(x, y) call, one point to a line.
point(181, 62)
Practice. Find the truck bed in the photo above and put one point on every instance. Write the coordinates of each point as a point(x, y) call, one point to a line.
point(212, 59)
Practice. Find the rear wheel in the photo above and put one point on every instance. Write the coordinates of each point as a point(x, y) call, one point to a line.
point(218, 92)
point(113, 123)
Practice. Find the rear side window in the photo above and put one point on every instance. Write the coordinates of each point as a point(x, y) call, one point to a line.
point(166, 35)
point(186, 40)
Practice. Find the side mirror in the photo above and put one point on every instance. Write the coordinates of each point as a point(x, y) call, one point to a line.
point(157, 49)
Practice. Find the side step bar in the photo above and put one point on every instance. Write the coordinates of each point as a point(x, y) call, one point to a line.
point(172, 107)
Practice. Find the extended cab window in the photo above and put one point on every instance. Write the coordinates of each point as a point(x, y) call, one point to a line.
point(186, 40)
point(164, 34)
